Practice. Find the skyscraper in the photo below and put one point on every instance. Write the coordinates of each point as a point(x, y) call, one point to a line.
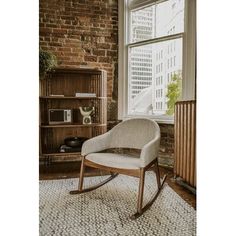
point(141, 57)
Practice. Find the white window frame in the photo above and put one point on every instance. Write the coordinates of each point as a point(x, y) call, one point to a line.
point(189, 56)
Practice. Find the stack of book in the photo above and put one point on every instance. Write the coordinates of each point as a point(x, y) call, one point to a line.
point(85, 94)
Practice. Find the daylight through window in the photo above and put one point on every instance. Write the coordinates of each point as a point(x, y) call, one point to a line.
point(155, 58)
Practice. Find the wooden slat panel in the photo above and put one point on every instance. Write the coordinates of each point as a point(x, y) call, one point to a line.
point(177, 140)
point(193, 167)
point(185, 141)
point(189, 120)
point(181, 139)
point(184, 127)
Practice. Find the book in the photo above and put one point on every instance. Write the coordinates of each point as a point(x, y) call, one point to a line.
point(85, 94)
point(56, 95)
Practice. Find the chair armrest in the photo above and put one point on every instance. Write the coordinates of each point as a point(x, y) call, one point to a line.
point(96, 144)
point(150, 151)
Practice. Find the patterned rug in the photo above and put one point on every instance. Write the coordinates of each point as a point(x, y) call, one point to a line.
point(106, 211)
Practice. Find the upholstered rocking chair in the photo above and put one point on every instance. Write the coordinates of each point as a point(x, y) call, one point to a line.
point(142, 134)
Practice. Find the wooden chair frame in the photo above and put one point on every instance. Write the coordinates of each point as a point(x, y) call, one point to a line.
point(140, 173)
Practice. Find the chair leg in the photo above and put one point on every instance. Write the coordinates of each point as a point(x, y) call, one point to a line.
point(141, 189)
point(158, 176)
point(81, 177)
point(160, 184)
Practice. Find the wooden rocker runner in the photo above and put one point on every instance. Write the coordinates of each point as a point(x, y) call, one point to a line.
point(143, 134)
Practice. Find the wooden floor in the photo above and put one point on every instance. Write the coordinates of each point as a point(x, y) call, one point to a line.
point(71, 170)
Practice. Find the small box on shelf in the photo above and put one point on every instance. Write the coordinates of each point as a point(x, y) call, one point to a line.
point(85, 95)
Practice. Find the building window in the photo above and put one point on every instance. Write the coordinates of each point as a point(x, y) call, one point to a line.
point(152, 30)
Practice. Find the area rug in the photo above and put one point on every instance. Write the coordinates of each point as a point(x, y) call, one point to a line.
point(106, 211)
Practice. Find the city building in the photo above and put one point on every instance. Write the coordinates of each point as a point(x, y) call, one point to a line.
point(153, 65)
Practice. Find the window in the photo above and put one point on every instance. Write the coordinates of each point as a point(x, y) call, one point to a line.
point(154, 33)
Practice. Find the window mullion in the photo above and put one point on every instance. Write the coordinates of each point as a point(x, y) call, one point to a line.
point(156, 40)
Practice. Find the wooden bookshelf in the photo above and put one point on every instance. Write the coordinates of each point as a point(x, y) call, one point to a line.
point(68, 82)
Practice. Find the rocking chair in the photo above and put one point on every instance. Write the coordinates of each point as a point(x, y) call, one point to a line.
point(142, 134)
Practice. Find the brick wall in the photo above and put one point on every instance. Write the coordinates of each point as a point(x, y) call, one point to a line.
point(81, 32)
point(166, 154)
point(85, 32)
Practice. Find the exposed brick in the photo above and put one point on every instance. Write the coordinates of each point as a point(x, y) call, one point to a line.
point(99, 52)
point(90, 58)
point(114, 47)
point(104, 59)
point(55, 44)
point(64, 49)
point(44, 30)
point(112, 53)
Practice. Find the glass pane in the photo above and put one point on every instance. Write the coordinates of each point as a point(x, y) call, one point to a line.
point(158, 20)
point(155, 78)
point(142, 25)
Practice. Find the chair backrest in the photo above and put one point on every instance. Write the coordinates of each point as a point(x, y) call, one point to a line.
point(133, 133)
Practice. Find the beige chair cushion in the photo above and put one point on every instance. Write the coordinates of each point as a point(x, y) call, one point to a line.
point(138, 133)
point(121, 161)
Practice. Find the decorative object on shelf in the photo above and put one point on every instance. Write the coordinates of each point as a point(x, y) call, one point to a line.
point(72, 144)
point(86, 113)
point(75, 141)
point(47, 61)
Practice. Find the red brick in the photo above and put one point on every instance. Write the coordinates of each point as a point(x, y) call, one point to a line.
point(104, 59)
point(90, 58)
point(112, 53)
point(64, 49)
point(98, 52)
point(44, 30)
point(60, 31)
point(103, 45)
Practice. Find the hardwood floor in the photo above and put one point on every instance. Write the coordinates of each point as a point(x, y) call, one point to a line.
point(62, 170)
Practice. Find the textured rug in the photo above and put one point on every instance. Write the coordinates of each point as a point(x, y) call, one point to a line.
point(106, 211)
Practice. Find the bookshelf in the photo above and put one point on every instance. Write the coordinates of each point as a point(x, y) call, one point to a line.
point(71, 88)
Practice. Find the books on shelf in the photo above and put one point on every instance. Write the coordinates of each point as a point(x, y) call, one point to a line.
point(85, 94)
point(88, 67)
point(57, 95)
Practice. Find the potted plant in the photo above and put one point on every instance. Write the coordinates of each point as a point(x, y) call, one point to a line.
point(47, 61)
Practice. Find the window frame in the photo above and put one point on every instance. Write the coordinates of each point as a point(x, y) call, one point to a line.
point(188, 54)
